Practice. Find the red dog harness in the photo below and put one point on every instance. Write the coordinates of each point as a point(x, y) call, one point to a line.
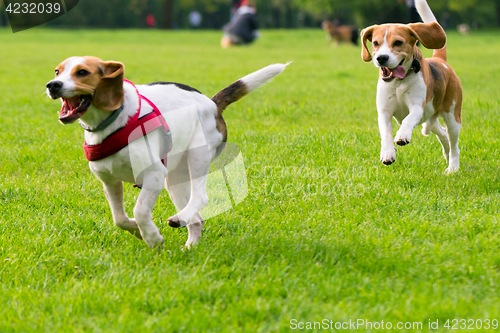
point(122, 137)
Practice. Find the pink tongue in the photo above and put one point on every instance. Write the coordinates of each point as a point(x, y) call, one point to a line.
point(399, 72)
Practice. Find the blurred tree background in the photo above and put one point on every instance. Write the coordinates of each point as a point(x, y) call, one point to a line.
point(172, 14)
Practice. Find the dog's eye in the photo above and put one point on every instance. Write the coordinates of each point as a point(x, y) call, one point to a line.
point(375, 43)
point(82, 72)
point(57, 72)
point(398, 43)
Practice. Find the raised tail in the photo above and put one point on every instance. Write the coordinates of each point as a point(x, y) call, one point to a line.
point(245, 85)
point(427, 16)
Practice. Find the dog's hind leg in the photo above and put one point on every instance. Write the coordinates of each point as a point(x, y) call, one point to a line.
point(114, 194)
point(178, 185)
point(433, 125)
point(453, 130)
point(427, 126)
point(443, 138)
point(199, 160)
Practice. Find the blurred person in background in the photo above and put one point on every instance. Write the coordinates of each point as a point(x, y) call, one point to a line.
point(446, 20)
point(195, 19)
point(242, 29)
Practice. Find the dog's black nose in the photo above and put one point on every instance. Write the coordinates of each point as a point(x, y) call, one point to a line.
point(382, 59)
point(54, 86)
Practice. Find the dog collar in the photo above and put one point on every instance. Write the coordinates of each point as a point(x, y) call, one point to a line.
point(106, 121)
point(415, 65)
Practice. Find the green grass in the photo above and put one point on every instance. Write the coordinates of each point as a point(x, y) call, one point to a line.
point(327, 231)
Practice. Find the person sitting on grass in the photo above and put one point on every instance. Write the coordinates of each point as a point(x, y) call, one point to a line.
point(242, 29)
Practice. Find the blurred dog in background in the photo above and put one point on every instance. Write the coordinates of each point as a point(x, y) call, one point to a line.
point(463, 28)
point(341, 33)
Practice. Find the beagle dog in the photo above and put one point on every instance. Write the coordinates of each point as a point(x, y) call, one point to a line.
point(412, 89)
point(341, 33)
point(96, 93)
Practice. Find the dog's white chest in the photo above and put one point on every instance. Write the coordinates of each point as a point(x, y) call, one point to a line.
point(401, 109)
point(396, 98)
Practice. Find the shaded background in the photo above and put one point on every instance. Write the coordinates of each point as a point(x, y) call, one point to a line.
point(172, 14)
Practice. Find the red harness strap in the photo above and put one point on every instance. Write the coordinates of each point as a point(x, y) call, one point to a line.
point(121, 138)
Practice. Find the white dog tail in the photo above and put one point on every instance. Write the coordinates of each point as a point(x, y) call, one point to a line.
point(427, 16)
point(425, 11)
point(245, 85)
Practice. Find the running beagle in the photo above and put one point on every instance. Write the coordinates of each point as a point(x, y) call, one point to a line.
point(115, 113)
point(412, 89)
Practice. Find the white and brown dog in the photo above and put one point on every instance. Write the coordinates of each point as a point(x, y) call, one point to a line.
point(95, 92)
point(412, 89)
point(341, 33)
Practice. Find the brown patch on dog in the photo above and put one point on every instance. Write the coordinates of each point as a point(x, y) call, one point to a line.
point(220, 125)
point(440, 53)
point(443, 87)
point(222, 99)
point(366, 35)
point(431, 35)
point(104, 83)
point(109, 94)
point(229, 95)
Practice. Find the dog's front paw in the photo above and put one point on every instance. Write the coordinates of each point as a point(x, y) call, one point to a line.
point(388, 156)
point(402, 138)
point(176, 222)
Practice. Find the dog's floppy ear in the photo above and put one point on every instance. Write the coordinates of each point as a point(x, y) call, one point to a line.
point(108, 94)
point(366, 34)
point(431, 35)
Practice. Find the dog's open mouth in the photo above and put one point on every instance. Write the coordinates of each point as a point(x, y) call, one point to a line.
point(389, 74)
point(73, 108)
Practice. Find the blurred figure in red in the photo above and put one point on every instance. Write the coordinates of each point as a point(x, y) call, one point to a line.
point(150, 21)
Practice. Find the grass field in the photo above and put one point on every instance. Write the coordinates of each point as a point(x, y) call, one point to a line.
point(327, 231)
